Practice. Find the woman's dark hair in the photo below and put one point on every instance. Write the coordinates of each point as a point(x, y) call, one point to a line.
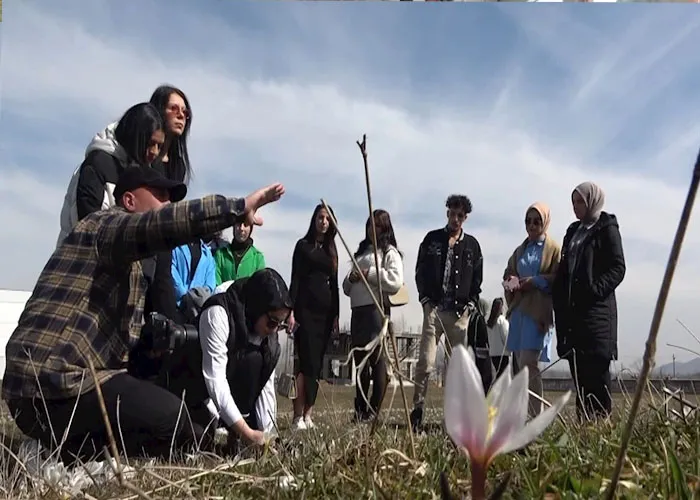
point(135, 128)
point(496, 310)
point(178, 157)
point(329, 238)
point(385, 233)
point(264, 291)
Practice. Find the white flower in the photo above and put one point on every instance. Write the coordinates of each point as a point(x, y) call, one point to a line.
point(486, 426)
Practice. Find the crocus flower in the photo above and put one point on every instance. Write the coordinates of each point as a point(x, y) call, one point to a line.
point(486, 426)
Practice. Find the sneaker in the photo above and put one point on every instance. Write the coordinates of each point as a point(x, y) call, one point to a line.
point(309, 423)
point(299, 424)
point(417, 419)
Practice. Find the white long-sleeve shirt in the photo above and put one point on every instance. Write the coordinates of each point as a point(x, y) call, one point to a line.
point(390, 274)
point(497, 337)
point(213, 337)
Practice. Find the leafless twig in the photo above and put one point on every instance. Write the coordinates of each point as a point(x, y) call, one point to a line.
point(650, 350)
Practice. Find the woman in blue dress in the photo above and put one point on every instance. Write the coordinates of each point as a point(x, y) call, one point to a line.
point(527, 283)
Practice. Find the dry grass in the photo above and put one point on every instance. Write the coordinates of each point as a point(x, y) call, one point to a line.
point(338, 460)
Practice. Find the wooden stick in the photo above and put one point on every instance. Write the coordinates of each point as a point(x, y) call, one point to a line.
point(356, 266)
point(392, 337)
point(363, 149)
point(650, 349)
point(112, 443)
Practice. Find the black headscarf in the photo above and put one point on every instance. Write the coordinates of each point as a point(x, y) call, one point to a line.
point(239, 248)
point(259, 294)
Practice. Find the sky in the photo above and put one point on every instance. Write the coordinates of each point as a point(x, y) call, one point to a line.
point(506, 103)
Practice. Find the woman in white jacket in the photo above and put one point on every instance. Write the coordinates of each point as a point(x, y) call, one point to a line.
point(136, 139)
point(497, 327)
point(111, 150)
point(366, 321)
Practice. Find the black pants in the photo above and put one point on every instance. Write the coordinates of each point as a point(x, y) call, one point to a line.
point(365, 324)
point(500, 364)
point(149, 417)
point(591, 375)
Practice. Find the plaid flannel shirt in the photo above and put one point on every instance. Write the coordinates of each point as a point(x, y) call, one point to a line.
point(89, 299)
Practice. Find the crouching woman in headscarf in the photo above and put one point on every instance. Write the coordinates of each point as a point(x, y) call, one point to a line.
point(229, 380)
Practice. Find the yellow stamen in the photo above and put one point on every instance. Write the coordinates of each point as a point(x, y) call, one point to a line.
point(492, 412)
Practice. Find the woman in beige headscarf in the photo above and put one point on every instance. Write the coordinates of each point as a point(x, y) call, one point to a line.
point(592, 267)
point(527, 284)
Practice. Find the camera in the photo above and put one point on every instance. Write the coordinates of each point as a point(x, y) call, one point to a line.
point(162, 334)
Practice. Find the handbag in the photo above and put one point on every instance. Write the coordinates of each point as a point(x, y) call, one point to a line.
point(287, 382)
point(400, 298)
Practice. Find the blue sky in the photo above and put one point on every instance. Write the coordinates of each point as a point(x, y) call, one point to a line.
point(508, 103)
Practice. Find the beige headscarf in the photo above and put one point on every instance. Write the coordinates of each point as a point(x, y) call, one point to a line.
point(535, 303)
point(594, 197)
point(543, 210)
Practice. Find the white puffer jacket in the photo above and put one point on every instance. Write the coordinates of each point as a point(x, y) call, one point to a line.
point(103, 141)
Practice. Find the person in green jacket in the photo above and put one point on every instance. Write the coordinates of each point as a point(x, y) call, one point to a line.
point(239, 259)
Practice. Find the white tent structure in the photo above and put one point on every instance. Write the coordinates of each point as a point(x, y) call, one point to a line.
point(11, 306)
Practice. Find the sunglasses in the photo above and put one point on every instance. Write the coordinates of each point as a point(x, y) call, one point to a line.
point(175, 109)
point(533, 221)
point(276, 324)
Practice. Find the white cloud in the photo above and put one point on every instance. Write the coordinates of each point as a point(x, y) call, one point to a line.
point(251, 128)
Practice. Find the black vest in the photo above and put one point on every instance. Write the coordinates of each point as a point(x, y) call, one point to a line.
point(249, 365)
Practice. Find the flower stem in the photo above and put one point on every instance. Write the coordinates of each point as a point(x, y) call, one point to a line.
point(478, 481)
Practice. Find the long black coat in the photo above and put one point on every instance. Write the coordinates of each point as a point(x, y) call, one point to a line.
point(585, 307)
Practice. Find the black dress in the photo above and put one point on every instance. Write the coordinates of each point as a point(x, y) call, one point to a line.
point(314, 291)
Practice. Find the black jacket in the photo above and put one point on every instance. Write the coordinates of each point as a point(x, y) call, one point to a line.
point(467, 271)
point(478, 340)
point(585, 307)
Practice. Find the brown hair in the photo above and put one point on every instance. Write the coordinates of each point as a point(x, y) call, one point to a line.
point(385, 233)
point(496, 311)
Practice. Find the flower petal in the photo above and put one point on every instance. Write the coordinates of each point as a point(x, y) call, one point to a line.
point(511, 414)
point(499, 388)
point(466, 418)
point(536, 426)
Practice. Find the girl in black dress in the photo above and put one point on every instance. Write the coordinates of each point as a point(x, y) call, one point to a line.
point(314, 291)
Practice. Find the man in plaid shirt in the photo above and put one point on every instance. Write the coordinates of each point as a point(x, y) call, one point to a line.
point(88, 304)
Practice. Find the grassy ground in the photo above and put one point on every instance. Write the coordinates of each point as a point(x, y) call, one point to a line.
point(339, 460)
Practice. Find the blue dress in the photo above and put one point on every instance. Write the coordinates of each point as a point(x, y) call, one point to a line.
point(523, 332)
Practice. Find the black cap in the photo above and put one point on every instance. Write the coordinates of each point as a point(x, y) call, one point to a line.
point(135, 177)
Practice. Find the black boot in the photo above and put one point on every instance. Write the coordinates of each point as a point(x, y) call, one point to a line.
point(417, 419)
point(362, 413)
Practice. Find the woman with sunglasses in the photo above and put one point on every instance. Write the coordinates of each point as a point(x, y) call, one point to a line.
point(174, 107)
point(229, 378)
point(527, 283)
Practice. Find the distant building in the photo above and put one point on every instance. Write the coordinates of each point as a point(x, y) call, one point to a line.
point(336, 370)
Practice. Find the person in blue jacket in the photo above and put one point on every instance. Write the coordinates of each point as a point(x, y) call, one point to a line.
point(193, 267)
